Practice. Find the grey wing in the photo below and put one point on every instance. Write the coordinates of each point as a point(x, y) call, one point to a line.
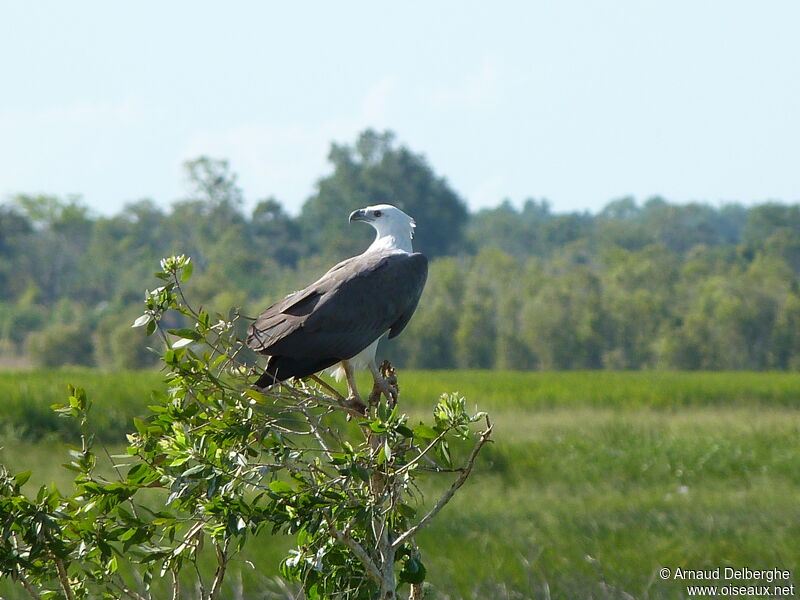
point(417, 275)
point(287, 315)
point(281, 319)
point(346, 310)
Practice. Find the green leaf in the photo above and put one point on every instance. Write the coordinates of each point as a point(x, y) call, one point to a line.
point(377, 426)
point(128, 534)
point(425, 432)
point(444, 454)
point(362, 472)
point(404, 431)
point(281, 487)
point(381, 455)
point(186, 333)
point(406, 510)
point(143, 320)
point(22, 478)
point(193, 470)
point(177, 462)
point(187, 270)
point(387, 450)
point(254, 395)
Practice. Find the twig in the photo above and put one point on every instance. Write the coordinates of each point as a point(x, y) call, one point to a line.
point(314, 425)
point(64, 579)
point(343, 537)
point(328, 387)
point(176, 588)
point(338, 402)
point(28, 587)
point(201, 588)
point(127, 591)
point(222, 563)
point(451, 490)
point(422, 453)
point(122, 480)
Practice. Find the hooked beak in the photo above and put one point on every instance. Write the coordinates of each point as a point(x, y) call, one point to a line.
point(359, 215)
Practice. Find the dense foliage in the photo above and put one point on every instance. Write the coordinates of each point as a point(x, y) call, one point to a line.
point(638, 285)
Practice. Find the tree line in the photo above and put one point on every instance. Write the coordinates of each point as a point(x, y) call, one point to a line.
point(637, 285)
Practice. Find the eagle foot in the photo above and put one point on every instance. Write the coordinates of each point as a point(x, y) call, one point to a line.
point(354, 403)
point(386, 384)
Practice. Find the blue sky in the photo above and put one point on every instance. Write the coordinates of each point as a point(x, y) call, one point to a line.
point(576, 102)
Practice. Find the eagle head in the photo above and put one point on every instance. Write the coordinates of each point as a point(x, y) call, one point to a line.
point(388, 221)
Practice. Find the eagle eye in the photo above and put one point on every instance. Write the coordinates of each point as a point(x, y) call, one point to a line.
point(377, 213)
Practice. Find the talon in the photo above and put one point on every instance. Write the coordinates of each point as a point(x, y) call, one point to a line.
point(355, 403)
point(385, 382)
point(385, 387)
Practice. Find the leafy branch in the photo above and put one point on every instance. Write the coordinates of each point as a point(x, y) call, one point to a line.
point(218, 462)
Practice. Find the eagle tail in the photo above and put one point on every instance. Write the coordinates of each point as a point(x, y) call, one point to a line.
point(280, 368)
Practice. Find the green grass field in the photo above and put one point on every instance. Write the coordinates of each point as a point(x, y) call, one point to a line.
point(596, 480)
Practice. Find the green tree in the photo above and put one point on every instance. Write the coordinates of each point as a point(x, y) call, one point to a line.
point(117, 347)
point(638, 296)
point(15, 231)
point(61, 344)
point(563, 323)
point(274, 233)
point(681, 226)
point(730, 322)
point(212, 210)
point(519, 233)
point(784, 344)
point(764, 220)
point(428, 342)
point(51, 258)
point(375, 171)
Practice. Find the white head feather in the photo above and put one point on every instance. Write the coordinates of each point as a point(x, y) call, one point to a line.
point(394, 228)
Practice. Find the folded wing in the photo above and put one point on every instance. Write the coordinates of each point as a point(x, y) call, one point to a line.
point(339, 315)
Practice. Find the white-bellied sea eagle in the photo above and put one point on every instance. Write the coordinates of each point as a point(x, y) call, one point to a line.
point(336, 322)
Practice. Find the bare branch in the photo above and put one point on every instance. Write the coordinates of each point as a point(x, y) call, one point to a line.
point(422, 453)
point(28, 587)
point(343, 537)
point(64, 579)
point(315, 426)
point(328, 387)
point(336, 401)
point(127, 591)
point(447, 496)
point(121, 479)
point(201, 588)
point(222, 563)
point(176, 588)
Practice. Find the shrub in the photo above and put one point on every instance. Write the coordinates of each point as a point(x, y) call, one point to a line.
point(227, 462)
point(61, 344)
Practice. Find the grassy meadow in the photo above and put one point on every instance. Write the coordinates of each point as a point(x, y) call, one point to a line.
point(596, 480)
